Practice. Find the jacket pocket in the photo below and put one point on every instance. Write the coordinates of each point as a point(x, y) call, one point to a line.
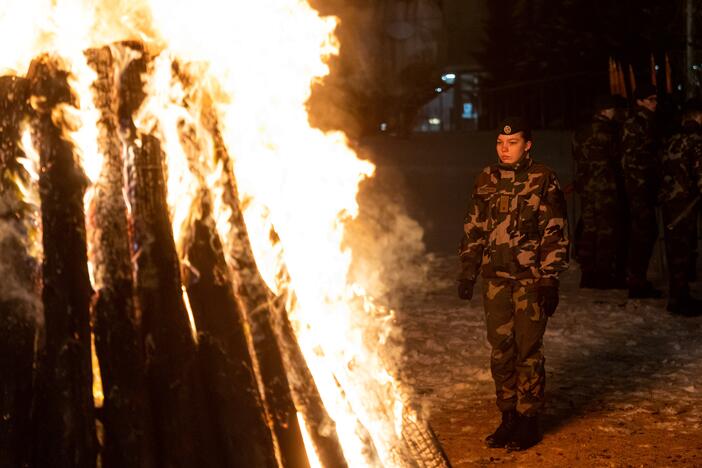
point(526, 233)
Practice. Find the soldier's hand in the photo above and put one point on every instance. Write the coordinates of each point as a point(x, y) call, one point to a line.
point(465, 289)
point(548, 298)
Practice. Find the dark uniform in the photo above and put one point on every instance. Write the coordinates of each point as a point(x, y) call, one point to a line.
point(600, 228)
point(640, 164)
point(681, 185)
point(516, 236)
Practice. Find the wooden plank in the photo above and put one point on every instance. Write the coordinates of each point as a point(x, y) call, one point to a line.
point(64, 416)
point(183, 438)
point(125, 415)
point(20, 300)
point(225, 363)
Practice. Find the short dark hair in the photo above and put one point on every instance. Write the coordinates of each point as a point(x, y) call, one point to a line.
point(644, 91)
point(605, 101)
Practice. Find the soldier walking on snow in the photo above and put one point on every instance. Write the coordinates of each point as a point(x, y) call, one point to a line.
point(640, 164)
point(516, 235)
point(598, 170)
point(680, 192)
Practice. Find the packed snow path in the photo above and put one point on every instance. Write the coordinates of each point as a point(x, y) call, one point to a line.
point(624, 378)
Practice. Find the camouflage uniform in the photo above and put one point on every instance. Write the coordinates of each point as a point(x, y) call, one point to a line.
point(516, 235)
point(598, 167)
point(682, 182)
point(641, 179)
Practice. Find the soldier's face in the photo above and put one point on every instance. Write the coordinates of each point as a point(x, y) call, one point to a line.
point(649, 103)
point(511, 148)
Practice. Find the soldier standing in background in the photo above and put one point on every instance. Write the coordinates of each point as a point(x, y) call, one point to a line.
point(621, 114)
point(516, 235)
point(598, 168)
point(640, 164)
point(680, 192)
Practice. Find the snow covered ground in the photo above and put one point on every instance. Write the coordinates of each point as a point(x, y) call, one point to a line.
point(624, 378)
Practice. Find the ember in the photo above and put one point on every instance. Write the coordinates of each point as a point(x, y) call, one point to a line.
point(192, 222)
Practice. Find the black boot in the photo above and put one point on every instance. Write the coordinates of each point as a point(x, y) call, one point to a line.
point(644, 290)
point(526, 435)
point(503, 434)
point(684, 306)
point(588, 280)
point(610, 282)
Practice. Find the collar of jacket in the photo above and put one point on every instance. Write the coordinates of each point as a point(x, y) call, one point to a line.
point(601, 118)
point(520, 165)
point(647, 113)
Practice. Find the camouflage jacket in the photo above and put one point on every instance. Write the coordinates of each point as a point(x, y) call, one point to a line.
point(596, 155)
point(516, 224)
point(682, 165)
point(640, 161)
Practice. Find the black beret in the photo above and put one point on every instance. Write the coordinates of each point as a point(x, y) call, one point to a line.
point(644, 91)
point(620, 102)
point(512, 125)
point(605, 101)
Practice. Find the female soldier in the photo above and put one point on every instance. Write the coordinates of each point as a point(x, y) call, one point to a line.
point(516, 234)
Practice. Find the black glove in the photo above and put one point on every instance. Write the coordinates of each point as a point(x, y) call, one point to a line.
point(548, 298)
point(465, 289)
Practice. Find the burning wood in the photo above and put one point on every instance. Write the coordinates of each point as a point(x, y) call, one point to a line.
point(298, 376)
point(64, 416)
point(125, 414)
point(20, 303)
point(255, 299)
point(182, 435)
point(223, 352)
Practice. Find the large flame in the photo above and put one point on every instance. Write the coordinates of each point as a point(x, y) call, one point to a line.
point(256, 61)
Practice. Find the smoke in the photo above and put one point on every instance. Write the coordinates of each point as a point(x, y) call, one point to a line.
point(389, 256)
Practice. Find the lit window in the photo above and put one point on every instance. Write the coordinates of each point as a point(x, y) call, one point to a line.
point(449, 78)
point(468, 111)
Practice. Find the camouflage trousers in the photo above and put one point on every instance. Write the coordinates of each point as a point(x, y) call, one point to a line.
point(515, 330)
point(600, 237)
point(680, 247)
point(643, 232)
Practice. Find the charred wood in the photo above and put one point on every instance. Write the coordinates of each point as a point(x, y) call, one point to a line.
point(20, 301)
point(127, 440)
point(256, 298)
point(421, 442)
point(227, 369)
point(182, 438)
point(64, 412)
point(307, 399)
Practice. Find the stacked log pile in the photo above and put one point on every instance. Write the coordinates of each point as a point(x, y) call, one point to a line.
point(199, 364)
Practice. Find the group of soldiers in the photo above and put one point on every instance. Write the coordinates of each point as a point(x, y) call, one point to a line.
point(625, 169)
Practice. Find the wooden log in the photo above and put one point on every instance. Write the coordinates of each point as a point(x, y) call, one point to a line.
point(255, 299)
point(182, 437)
point(227, 369)
point(64, 413)
point(307, 399)
point(20, 301)
point(125, 415)
point(421, 443)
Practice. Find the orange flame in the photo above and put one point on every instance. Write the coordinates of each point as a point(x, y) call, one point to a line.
point(257, 61)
